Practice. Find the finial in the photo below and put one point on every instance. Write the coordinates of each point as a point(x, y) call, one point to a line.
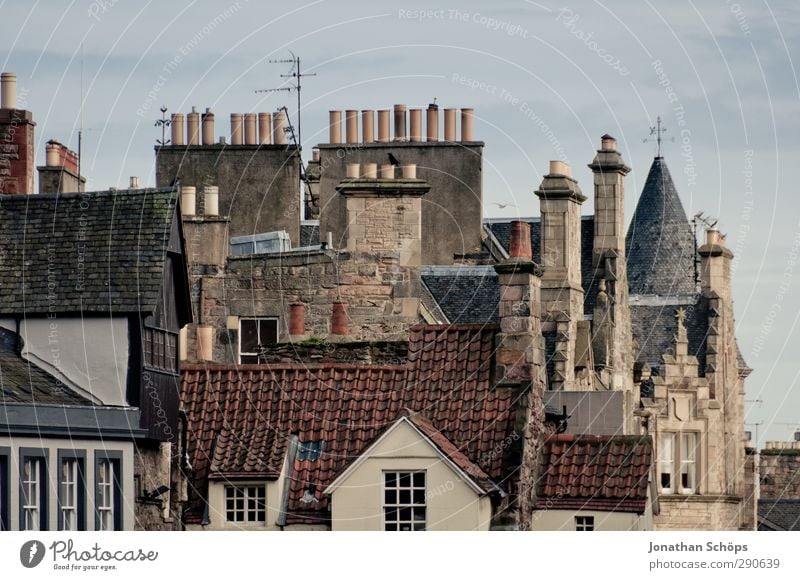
point(658, 131)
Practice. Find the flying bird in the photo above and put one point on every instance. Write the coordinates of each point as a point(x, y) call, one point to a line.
point(503, 205)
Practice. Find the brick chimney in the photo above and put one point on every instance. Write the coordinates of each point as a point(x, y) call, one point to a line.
point(16, 140)
point(519, 359)
point(560, 201)
point(60, 172)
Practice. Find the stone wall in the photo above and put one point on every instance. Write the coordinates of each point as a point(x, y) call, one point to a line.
point(750, 503)
point(696, 512)
point(258, 184)
point(315, 351)
point(452, 212)
point(780, 470)
point(156, 465)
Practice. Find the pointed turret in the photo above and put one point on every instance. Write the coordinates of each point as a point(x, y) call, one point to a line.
point(660, 244)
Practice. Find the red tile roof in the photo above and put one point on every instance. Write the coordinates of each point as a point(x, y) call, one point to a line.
point(447, 379)
point(607, 473)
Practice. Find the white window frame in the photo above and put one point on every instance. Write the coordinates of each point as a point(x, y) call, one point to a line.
point(31, 497)
point(250, 515)
point(105, 500)
point(69, 482)
point(584, 523)
point(688, 462)
point(414, 491)
point(680, 456)
point(258, 327)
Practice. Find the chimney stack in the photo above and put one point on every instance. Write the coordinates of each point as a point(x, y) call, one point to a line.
point(8, 90)
point(60, 172)
point(193, 127)
point(400, 123)
point(176, 125)
point(335, 127)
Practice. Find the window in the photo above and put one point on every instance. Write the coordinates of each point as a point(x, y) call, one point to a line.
point(160, 349)
point(71, 490)
point(584, 523)
point(246, 504)
point(404, 502)
point(33, 489)
point(4, 490)
point(254, 332)
point(667, 462)
point(108, 491)
point(688, 463)
point(678, 449)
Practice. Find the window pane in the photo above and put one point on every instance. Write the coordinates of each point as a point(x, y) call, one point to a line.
point(249, 335)
point(391, 479)
point(405, 480)
point(268, 331)
point(419, 479)
point(405, 496)
point(390, 497)
point(419, 496)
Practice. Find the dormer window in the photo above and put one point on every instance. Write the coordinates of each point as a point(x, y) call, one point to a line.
point(254, 332)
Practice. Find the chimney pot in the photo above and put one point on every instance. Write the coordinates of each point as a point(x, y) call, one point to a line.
point(450, 125)
point(387, 171)
point(351, 126)
point(432, 122)
point(467, 125)
point(315, 154)
point(52, 155)
point(370, 170)
point(520, 246)
point(264, 128)
point(383, 125)
point(297, 319)
point(608, 143)
point(400, 123)
point(250, 129)
point(279, 128)
point(339, 319)
point(560, 168)
point(368, 126)
point(193, 127)
point(335, 127)
point(410, 171)
point(415, 122)
point(8, 90)
point(208, 127)
point(188, 200)
point(211, 200)
point(353, 170)
point(205, 342)
point(237, 135)
point(713, 238)
point(134, 182)
point(176, 124)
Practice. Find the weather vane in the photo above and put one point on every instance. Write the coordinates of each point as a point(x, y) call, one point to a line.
point(658, 131)
point(163, 122)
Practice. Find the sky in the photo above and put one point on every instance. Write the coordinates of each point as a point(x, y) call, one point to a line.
point(546, 80)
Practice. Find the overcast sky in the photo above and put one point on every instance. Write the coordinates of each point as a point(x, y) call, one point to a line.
point(546, 79)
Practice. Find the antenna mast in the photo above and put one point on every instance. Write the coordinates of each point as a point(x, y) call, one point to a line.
point(296, 74)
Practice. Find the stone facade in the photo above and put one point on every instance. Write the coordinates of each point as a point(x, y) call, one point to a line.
point(158, 465)
point(779, 469)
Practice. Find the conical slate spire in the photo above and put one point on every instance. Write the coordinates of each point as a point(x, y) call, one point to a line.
point(660, 244)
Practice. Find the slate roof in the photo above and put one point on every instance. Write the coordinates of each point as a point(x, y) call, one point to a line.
point(605, 473)
point(24, 382)
point(447, 380)
point(654, 328)
point(501, 230)
point(660, 243)
point(104, 251)
point(465, 294)
point(779, 515)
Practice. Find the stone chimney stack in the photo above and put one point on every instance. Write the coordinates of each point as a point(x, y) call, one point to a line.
point(16, 139)
point(519, 359)
point(560, 201)
point(609, 202)
point(60, 172)
point(715, 265)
